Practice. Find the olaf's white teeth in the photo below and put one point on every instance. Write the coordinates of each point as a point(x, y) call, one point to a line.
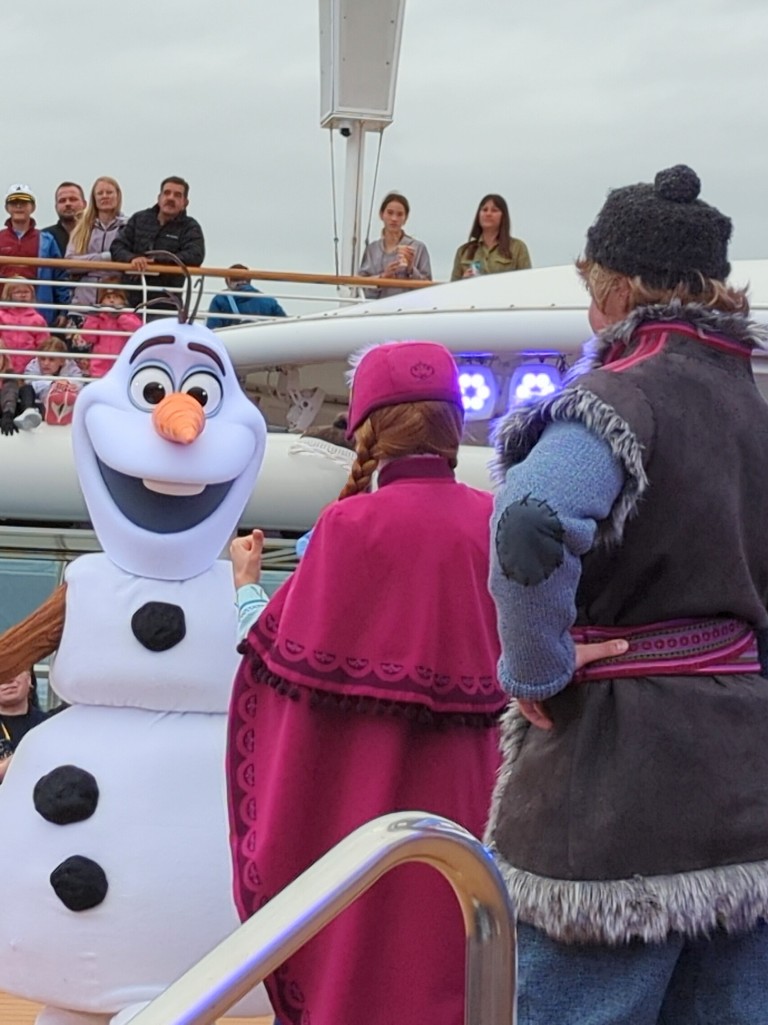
point(166, 487)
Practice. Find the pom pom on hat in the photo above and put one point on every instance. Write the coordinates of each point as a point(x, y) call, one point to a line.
point(679, 184)
point(662, 233)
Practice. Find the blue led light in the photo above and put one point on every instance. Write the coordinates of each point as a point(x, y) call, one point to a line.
point(533, 381)
point(479, 391)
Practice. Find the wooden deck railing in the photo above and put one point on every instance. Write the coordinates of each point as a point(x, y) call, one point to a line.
point(342, 280)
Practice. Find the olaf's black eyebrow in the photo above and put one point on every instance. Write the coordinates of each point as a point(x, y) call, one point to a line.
point(170, 340)
point(199, 347)
point(157, 340)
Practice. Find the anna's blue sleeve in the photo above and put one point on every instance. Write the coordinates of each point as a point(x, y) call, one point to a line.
point(545, 519)
point(252, 599)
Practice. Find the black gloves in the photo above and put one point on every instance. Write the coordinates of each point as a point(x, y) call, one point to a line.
point(7, 426)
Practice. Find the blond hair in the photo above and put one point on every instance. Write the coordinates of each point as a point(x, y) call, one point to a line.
point(16, 280)
point(81, 235)
point(5, 360)
point(51, 344)
point(717, 295)
point(407, 429)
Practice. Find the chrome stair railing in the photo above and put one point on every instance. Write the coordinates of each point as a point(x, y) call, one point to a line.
point(291, 918)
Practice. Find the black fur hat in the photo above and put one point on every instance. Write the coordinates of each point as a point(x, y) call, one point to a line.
point(663, 233)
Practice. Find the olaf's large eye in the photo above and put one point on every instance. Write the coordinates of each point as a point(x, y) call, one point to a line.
point(205, 388)
point(149, 386)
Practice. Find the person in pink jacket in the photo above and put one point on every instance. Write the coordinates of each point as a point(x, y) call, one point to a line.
point(106, 332)
point(371, 674)
point(16, 321)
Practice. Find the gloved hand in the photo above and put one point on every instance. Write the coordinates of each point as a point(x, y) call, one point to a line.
point(7, 426)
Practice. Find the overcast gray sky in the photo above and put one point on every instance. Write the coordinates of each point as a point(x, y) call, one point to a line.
point(549, 103)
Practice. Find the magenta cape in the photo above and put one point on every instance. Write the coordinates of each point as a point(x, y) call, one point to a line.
point(391, 600)
point(394, 577)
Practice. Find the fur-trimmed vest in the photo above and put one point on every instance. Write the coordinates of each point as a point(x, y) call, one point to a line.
point(645, 810)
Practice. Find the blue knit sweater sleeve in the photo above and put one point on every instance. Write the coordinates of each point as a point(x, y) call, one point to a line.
point(576, 474)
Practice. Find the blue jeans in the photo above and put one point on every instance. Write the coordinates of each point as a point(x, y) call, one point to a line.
point(718, 981)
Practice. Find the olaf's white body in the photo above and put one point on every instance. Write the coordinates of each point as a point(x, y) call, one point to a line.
point(147, 718)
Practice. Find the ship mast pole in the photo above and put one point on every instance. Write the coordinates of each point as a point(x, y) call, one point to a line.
point(351, 224)
point(359, 56)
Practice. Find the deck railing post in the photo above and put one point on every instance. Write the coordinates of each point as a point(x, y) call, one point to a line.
point(301, 910)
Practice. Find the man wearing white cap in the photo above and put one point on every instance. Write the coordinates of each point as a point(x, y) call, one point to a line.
point(21, 238)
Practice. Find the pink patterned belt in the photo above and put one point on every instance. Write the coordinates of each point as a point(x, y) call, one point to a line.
point(685, 647)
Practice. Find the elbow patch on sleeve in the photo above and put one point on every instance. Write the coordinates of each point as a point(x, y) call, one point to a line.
point(529, 541)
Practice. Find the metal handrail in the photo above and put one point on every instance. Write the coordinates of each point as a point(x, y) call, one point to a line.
point(297, 913)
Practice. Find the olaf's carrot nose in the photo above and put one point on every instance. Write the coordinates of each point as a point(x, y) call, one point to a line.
point(178, 417)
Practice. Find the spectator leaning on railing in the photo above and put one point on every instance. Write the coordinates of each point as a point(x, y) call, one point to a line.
point(164, 226)
point(95, 232)
point(491, 248)
point(395, 254)
point(69, 200)
point(21, 238)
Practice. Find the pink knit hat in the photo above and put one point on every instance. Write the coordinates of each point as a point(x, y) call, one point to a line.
point(395, 372)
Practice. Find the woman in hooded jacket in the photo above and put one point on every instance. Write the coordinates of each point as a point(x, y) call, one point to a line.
point(91, 239)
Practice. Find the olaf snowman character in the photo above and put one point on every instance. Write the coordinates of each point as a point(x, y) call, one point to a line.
point(115, 867)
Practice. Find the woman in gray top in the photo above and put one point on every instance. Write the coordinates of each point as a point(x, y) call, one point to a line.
point(92, 237)
point(396, 254)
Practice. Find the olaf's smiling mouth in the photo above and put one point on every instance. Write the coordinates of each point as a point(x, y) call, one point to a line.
point(163, 507)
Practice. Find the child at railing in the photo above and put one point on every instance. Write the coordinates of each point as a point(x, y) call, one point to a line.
point(15, 321)
point(55, 399)
point(107, 332)
point(17, 400)
point(9, 393)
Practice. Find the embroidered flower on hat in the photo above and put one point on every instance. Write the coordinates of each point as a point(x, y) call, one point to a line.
point(422, 371)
